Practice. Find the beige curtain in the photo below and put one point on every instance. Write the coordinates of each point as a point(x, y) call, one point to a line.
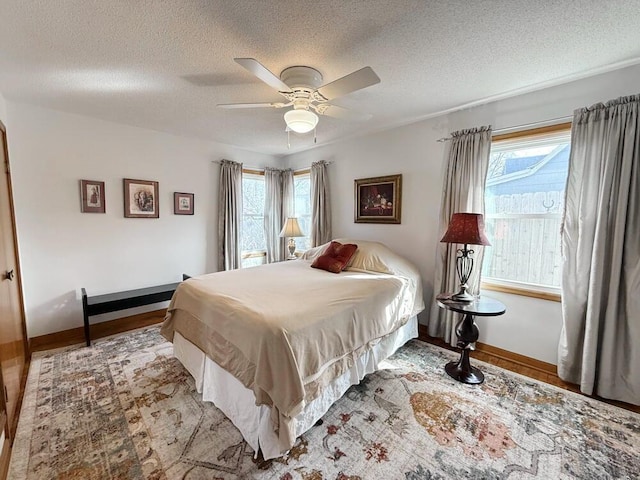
point(463, 192)
point(278, 198)
point(320, 204)
point(229, 215)
point(600, 341)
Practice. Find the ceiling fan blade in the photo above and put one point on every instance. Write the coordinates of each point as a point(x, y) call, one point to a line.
point(339, 112)
point(251, 105)
point(363, 78)
point(262, 73)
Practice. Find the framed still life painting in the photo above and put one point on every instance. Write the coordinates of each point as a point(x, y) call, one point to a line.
point(92, 197)
point(378, 199)
point(182, 203)
point(141, 199)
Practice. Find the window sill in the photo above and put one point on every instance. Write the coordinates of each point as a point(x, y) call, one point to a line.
point(256, 254)
point(521, 290)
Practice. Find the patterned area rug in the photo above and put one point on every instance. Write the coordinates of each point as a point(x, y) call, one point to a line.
point(127, 409)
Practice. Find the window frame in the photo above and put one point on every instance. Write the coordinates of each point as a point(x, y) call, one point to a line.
point(253, 172)
point(303, 172)
point(253, 253)
point(511, 286)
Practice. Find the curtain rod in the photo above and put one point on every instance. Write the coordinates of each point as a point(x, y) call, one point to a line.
point(258, 168)
point(218, 162)
point(542, 123)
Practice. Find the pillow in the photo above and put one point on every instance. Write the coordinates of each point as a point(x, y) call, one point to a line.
point(313, 253)
point(335, 258)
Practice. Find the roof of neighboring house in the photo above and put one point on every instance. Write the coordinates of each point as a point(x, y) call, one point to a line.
point(521, 163)
point(522, 167)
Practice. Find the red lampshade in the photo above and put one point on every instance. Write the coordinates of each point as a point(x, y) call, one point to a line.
point(466, 228)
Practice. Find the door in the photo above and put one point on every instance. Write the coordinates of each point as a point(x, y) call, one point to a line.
point(13, 346)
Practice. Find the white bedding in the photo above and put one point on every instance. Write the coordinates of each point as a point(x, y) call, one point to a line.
point(287, 331)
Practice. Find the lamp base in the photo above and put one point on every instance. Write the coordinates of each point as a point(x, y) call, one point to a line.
point(292, 249)
point(464, 267)
point(463, 295)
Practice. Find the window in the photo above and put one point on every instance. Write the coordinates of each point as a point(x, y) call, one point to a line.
point(254, 246)
point(302, 207)
point(524, 200)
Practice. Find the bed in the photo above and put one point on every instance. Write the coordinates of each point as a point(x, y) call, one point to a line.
point(275, 346)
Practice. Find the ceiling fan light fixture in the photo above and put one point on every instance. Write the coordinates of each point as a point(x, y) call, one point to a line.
point(301, 121)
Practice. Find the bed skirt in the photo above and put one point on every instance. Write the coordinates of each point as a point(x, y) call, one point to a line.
point(238, 402)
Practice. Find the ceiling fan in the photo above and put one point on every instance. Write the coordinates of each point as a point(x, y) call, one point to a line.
point(300, 85)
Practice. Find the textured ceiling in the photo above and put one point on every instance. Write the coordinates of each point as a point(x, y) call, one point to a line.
point(164, 65)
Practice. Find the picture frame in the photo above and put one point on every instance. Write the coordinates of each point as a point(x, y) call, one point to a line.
point(378, 199)
point(141, 198)
point(92, 196)
point(183, 203)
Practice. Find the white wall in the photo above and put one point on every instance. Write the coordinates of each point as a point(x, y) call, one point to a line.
point(530, 327)
point(63, 249)
point(3, 110)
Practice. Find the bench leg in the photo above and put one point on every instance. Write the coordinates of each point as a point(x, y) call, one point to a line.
point(87, 333)
point(85, 314)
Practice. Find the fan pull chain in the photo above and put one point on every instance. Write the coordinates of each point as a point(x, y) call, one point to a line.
point(315, 138)
point(288, 138)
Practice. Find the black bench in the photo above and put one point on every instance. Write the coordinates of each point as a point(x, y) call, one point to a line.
point(112, 302)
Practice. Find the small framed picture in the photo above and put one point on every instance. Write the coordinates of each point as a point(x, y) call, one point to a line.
point(378, 199)
point(92, 196)
point(182, 203)
point(141, 199)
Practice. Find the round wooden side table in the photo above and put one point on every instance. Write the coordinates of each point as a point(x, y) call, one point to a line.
point(467, 332)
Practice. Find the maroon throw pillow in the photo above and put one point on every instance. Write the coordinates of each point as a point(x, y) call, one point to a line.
point(328, 263)
point(335, 257)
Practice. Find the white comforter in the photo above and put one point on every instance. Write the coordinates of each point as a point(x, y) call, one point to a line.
point(285, 330)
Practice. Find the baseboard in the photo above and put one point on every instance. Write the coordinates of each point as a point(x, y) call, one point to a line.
point(98, 330)
point(517, 358)
point(5, 456)
point(499, 353)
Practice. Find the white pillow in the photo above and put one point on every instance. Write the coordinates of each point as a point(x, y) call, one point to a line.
point(314, 252)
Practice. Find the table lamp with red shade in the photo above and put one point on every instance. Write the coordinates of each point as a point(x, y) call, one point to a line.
point(466, 229)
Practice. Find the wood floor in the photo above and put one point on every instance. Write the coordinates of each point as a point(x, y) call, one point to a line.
point(527, 366)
